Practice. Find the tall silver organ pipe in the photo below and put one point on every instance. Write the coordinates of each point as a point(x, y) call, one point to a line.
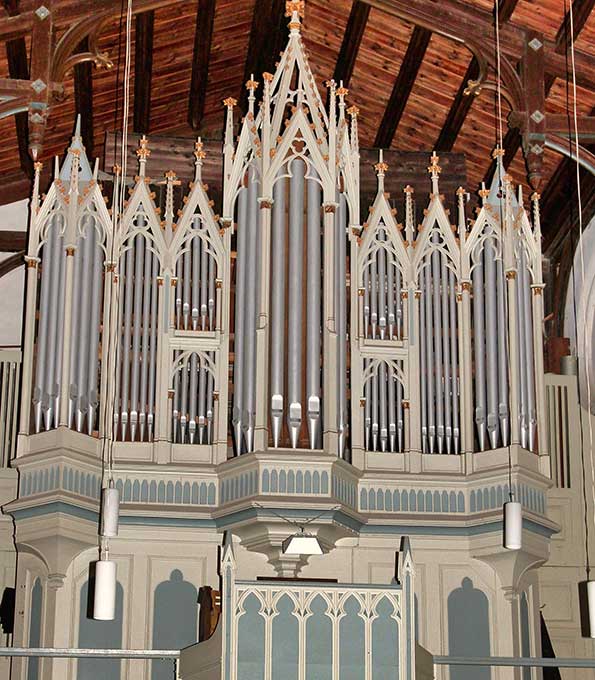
point(491, 346)
point(479, 352)
point(137, 321)
point(46, 391)
point(294, 311)
point(438, 359)
point(192, 406)
point(454, 385)
point(341, 322)
point(240, 309)
point(278, 309)
point(313, 310)
point(503, 409)
point(528, 421)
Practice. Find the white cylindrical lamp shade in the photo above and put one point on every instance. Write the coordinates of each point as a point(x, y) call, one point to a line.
point(110, 512)
point(513, 525)
point(591, 605)
point(104, 596)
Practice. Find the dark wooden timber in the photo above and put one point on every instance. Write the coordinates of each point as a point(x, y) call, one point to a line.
point(12, 241)
point(354, 32)
point(83, 98)
point(268, 36)
point(203, 34)
point(412, 60)
point(143, 70)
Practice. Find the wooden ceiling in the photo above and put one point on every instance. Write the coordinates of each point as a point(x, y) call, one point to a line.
point(407, 80)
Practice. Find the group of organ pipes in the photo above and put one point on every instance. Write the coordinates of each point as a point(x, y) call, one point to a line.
point(286, 322)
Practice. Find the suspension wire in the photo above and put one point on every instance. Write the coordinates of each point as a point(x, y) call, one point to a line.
point(501, 197)
point(113, 343)
point(581, 249)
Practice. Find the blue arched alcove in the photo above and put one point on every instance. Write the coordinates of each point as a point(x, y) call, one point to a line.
point(99, 635)
point(35, 628)
point(175, 619)
point(468, 630)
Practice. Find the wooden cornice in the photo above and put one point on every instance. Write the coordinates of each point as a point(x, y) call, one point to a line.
point(203, 34)
point(143, 70)
point(412, 60)
point(352, 38)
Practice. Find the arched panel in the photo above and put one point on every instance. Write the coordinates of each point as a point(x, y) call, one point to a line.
point(319, 641)
point(250, 655)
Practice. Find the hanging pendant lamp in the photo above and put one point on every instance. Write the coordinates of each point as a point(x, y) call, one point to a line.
point(104, 595)
point(110, 511)
point(513, 524)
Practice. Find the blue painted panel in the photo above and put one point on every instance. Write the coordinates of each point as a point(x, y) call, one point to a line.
point(388, 501)
point(460, 502)
point(274, 481)
point(396, 501)
point(468, 630)
point(250, 653)
point(177, 492)
point(170, 493)
point(285, 641)
point(429, 504)
point(203, 492)
point(99, 635)
point(316, 482)
point(175, 620)
point(211, 494)
point(385, 643)
point(319, 642)
point(324, 482)
point(351, 642)
point(265, 481)
point(35, 628)
point(363, 500)
point(308, 482)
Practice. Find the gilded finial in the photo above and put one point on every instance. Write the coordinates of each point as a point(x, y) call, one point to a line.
point(143, 151)
point(342, 91)
point(199, 153)
point(295, 6)
point(268, 77)
point(251, 84)
point(408, 189)
point(460, 191)
point(37, 166)
point(230, 102)
point(381, 167)
point(171, 175)
point(434, 168)
point(497, 152)
point(535, 196)
point(353, 110)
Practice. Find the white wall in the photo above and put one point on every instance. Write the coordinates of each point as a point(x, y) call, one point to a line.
point(13, 217)
point(581, 287)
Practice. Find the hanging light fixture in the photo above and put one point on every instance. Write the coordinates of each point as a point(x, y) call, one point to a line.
point(302, 543)
point(104, 594)
point(513, 524)
point(110, 510)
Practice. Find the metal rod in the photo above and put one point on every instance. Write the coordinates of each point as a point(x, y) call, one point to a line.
point(294, 322)
point(533, 662)
point(278, 308)
point(313, 306)
point(56, 652)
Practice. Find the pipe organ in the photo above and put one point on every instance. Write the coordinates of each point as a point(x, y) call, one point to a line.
point(286, 322)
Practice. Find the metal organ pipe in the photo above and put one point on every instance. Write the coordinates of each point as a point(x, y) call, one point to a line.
point(390, 282)
point(55, 302)
point(152, 347)
point(240, 308)
point(491, 347)
point(313, 297)
point(429, 366)
point(341, 322)
point(126, 339)
point(479, 347)
point(77, 303)
point(447, 386)
point(137, 320)
point(503, 411)
point(529, 364)
point(250, 318)
point(92, 367)
point(381, 255)
point(423, 368)
point(523, 412)
point(454, 362)
point(278, 309)
point(435, 258)
point(294, 324)
point(144, 362)
point(195, 247)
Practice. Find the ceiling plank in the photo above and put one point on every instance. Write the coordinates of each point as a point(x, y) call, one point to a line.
point(143, 70)
point(268, 36)
point(463, 102)
point(205, 18)
point(354, 32)
point(83, 98)
point(412, 61)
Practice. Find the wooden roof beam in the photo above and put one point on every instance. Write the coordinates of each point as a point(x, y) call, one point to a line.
point(462, 101)
point(268, 36)
point(354, 32)
point(18, 67)
point(414, 56)
point(143, 70)
point(203, 35)
point(581, 9)
point(83, 98)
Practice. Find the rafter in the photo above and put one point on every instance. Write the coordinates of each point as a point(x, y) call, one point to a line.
point(12, 241)
point(581, 9)
point(416, 50)
point(203, 34)
point(12, 262)
point(267, 38)
point(352, 38)
point(143, 70)
point(462, 101)
point(83, 98)
point(18, 67)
